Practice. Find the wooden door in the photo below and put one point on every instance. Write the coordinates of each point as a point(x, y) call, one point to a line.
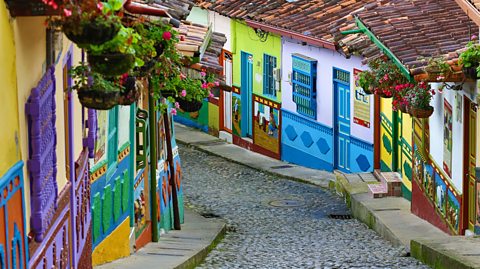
point(342, 118)
point(246, 93)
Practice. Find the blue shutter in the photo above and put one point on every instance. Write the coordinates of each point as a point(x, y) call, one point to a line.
point(269, 63)
point(304, 92)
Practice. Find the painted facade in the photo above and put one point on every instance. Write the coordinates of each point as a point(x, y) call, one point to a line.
point(67, 173)
point(317, 141)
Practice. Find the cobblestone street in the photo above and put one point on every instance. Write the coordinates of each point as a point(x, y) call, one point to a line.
point(278, 223)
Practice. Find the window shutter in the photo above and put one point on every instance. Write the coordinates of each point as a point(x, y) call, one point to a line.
point(304, 78)
point(42, 163)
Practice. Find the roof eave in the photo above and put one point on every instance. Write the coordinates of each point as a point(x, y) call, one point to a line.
point(470, 10)
point(287, 33)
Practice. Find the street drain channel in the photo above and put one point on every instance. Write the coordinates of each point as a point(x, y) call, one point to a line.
point(286, 203)
point(340, 216)
point(210, 215)
point(281, 166)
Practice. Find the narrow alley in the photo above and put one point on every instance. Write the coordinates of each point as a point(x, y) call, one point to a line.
point(278, 223)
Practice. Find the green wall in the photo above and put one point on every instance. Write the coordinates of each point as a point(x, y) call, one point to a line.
point(245, 39)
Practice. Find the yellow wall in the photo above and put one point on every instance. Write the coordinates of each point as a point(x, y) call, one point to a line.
point(30, 41)
point(10, 152)
point(386, 110)
point(407, 134)
point(115, 246)
point(213, 117)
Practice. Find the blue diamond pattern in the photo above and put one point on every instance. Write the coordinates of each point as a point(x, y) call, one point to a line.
point(363, 162)
point(291, 133)
point(306, 139)
point(323, 146)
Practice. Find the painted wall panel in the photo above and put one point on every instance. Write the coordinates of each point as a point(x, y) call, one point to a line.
point(124, 126)
point(247, 40)
point(306, 142)
point(198, 119)
point(327, 59)
point(213, 119)
point(436, 122)
point(10, 129)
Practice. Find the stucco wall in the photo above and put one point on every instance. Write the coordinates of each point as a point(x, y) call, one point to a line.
point(198, 15)
point(222, 25)
point(10, 152)
point(327, 60)
point(245, 39)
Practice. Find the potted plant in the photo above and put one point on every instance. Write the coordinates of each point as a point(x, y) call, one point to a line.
point(418, 100)
point(400, 101)
point(87, 22)
point(387, 76)
point(117, 56)
point(470, 59)
point(130, 92)
point(366, 80)
point(94, 91)
point(438, 68)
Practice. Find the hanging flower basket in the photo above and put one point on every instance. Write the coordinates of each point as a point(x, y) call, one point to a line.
point(189, 106)
point(90, 32)
point(383, 94)
point(470, 72)
point(98, 98)
point(111, 64)
point(420, 113)
point(130, 93)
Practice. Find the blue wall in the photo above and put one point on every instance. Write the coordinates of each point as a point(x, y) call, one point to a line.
point(306, 142)
point(361, 156)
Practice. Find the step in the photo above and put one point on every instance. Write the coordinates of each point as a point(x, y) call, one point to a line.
point(392, 180)
point(377, 190)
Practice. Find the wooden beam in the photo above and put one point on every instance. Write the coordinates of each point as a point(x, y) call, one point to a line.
point(471, 11)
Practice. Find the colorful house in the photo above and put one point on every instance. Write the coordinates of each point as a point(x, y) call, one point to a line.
point(440, 149)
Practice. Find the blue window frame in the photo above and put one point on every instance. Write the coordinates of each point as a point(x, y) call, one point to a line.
point(304, 85)
point(269, 63)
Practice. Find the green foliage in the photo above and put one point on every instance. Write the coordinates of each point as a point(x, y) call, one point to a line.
point(437, 65)
point(471, 56)
point(84, 78)
point(387, 76)
point(366, 80)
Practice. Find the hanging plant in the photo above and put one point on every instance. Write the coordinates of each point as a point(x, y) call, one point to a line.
point(438, 68)
point(94, 91)
point(470, 59)
point(400, 101)
point(366, 80)
point(87, 22)
point(387, 76)
point(131, 90)
point(418, 100)
point(117, 56)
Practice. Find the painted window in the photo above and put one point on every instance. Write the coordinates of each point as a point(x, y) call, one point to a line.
point(304, 86)
point(112, 137)
point(269, 64)
point(42, 147)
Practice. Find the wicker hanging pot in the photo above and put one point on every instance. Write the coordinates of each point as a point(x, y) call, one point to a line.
point(98, 98)
point(111, 64)
point(94, 32)
point(130, 93)
point(420, 113)
point(189, 106)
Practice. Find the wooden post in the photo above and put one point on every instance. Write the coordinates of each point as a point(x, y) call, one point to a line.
point(176, 213)
point(153, 163)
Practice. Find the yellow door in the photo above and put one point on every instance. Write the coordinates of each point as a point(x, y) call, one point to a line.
point(472, 137)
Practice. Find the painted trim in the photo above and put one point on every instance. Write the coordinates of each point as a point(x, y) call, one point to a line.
point(306, 121)
point(361, 143)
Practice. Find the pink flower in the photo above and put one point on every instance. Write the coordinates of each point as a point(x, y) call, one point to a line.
point(385, 77)
point(210, 94)
point(67, 12)
point(203, 74)
point(217, 83)
point(182, 76)
point(204, 85)
point(177, 105)
point(183, 93)
point(173, 111)
point(474, 37)
point(167, 35)
point(100, 5)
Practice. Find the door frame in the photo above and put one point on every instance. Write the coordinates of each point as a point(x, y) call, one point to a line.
point(335, 116)
point(466, 206)
point(222, 106)
point(246, 95)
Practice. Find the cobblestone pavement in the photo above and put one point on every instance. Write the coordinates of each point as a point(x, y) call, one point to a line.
point(278, 223)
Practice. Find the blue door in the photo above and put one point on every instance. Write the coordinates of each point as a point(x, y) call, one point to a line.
point(342, 119)
point(246, 93)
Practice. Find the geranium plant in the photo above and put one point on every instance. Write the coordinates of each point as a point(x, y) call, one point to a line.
point(470, 59)
point(418, 100)
point(387, 76)
point(400, 101)
point(366, 80)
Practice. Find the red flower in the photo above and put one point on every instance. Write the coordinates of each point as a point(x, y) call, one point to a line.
point(167, 35)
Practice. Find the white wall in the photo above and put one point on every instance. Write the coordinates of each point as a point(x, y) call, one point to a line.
point(123, 125)
point(436, 123)
point(221, 24)
point(327, 60)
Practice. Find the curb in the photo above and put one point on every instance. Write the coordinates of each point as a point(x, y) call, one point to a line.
point(198, 258)
point(436, 258)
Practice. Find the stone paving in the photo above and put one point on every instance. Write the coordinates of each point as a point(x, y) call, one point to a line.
point(278, 223)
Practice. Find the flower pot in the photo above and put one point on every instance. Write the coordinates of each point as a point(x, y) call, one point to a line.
point(111, 64)
point(470, 72)
point(131, 92)
point(98, 98)
point(90, 32)
point(420, 113)
point(189, 106)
